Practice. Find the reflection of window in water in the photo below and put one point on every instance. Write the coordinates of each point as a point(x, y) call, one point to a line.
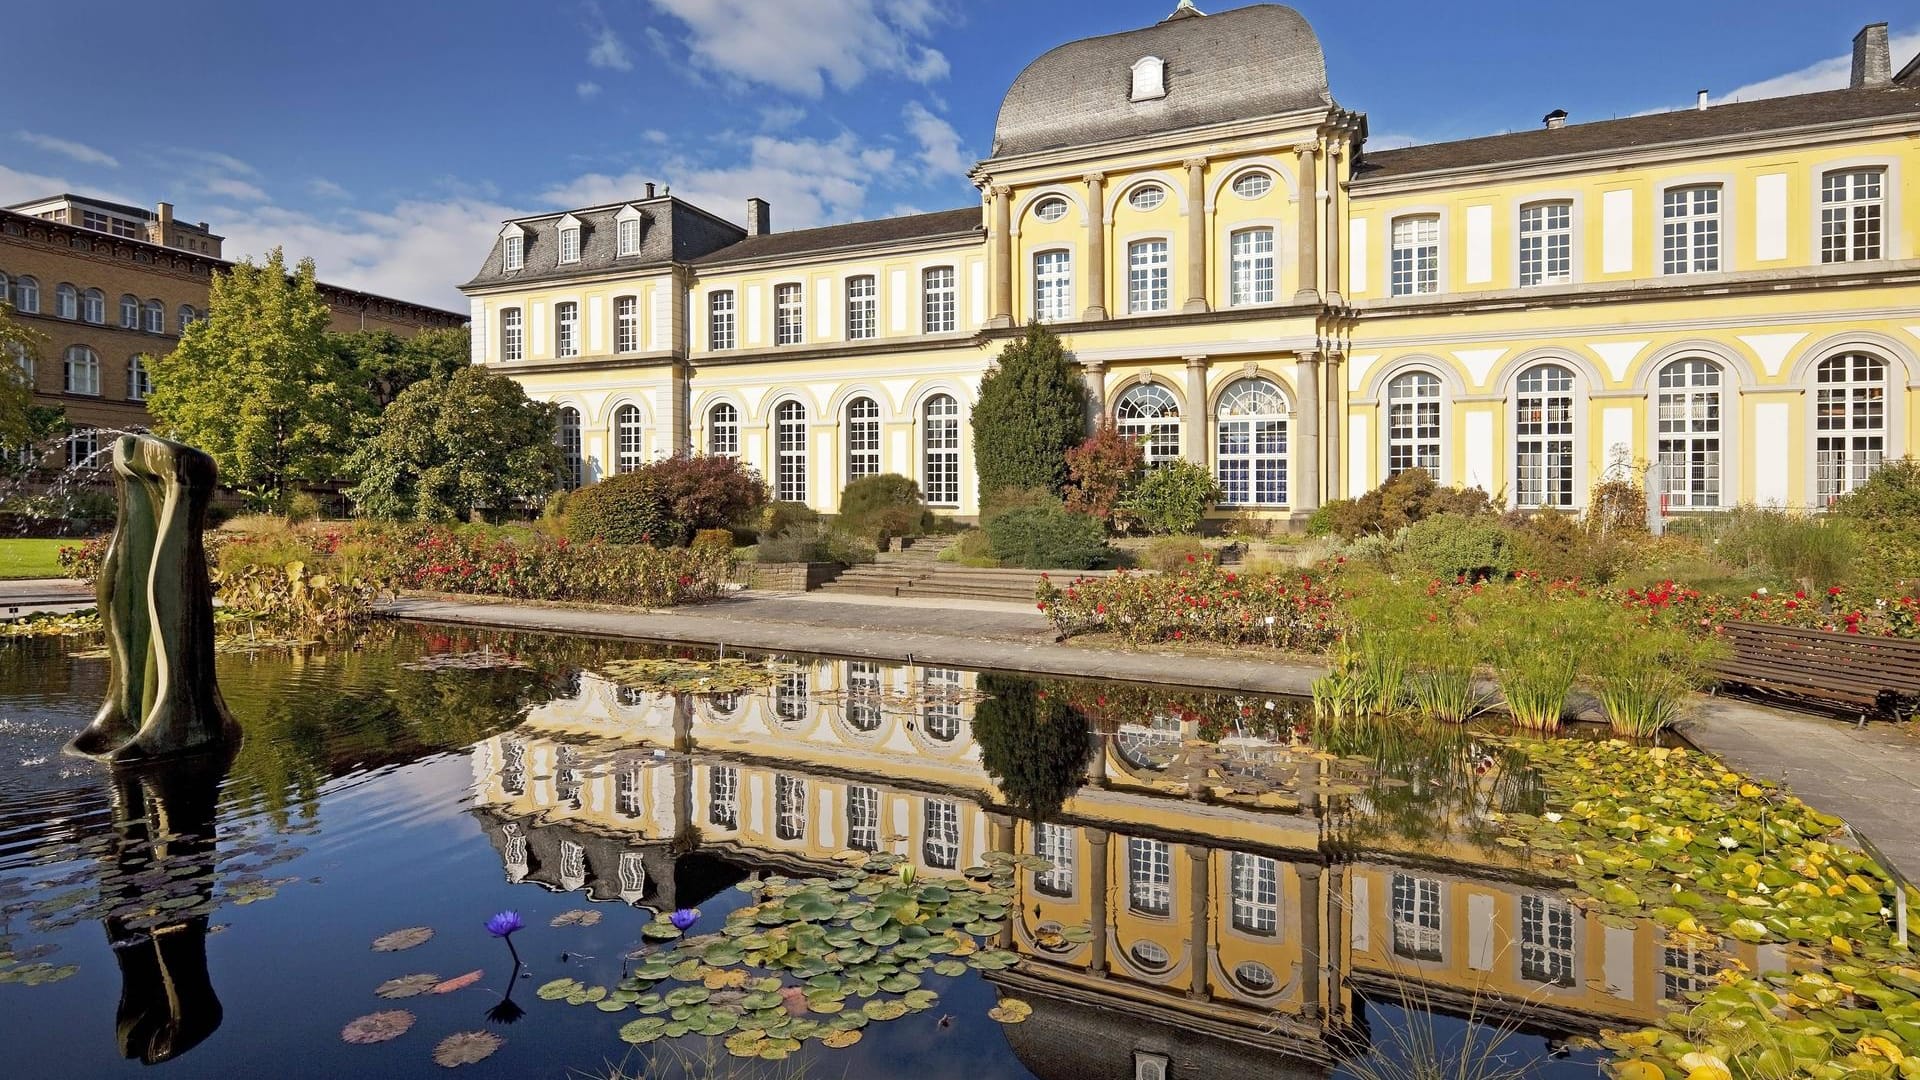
point(723, 797)
point(629, 697)
point(789, 807)
point(570, 685)
point(1054, 843)
point(723, 705)
point(1687, 971)
point(1150, 955)
point(940, 708)
point(516, 851)
point(863, 819)
point(627, 793)
point(566, 779)
point(1546, 940)
point(1256, 894)
point(573, 865)
point(790, 697)
point(513, 767)
point(942, 842)
point(633, 875)
point(1149, 876)
point(1255, 977)
point(1149, 745)
point(1416, 917)
point(863, 696)
point(1149, 1066)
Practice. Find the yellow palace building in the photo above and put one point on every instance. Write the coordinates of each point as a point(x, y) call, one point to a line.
point(1724, 294)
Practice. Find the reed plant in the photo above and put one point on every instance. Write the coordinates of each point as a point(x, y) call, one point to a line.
point(1646, 673)
point(1535, 646)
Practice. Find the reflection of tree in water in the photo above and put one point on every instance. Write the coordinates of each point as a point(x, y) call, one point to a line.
point(1416, 781)
point(1033, 744)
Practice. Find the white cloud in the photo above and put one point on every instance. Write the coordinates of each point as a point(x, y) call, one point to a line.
point(781, 117)
point(17, 186)
point(234, 189)
point(656, 136)
point(608, 51)
point(940, 149)
point(322, 188)
point(801, 45)
point(587, 90)
point(79, 152)
point(218, 160)
point(1829, 74)
point(1395, 140)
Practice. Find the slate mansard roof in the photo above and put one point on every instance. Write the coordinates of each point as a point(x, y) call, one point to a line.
point(1236, 65)
point(671, 231)
point(856, 234)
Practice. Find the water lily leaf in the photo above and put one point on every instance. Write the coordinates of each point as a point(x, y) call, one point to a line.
point(884, 1009)
point(465, 1048)
point(900, 983)
point(870, 920)
point(840, 1039)
point(1010, 1011)
point(402, 939)
point(644, 1030)
point(576, 917)
point(950, 968)
point(407, 986)
point(919, 1000)
point(377, 1027)
point(687, 995)
point(557, 989)
point(459, 982)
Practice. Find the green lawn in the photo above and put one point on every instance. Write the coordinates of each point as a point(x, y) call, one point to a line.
point(22, 557)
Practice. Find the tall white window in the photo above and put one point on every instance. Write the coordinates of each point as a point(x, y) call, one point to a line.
point(1416, 255)
point(940, 441)
point(789, 807)
point(863, 818)
point(723, 797)
point(1149, 876)
point(941, 845)
point(1690, 230)
point(791, 697)
point(863, 438)
point(26, 296)
point(863, 304)
point(1147, 276)
point(513, 253)
point(1416, 918)
point(512, 345)
point(790, 452)
point(1686, 971)
point(129, 312)
point(1053, 285)
point(1250, 276)
point(1256, 893)
point(863, 710)
point(789, 315)
point(66, 301)
point(1546, 244)
point(156, 317)
point(720, 320)
point(566, 329)
point(567, 433)
point(630, 236)
point(940, 711)
point(723, 430)
point(1413, 423)
point(628, 795)
point(83, 370)
point(938, 303)
point(1251, 454)
point(1688, 410)
point(629, 439)
point(1544, 433)
point(1546, 940)
point(93, 307)
point(139, 379)
point(1852, 215)
point(1150, 416)
point(1850, 421)
point(1054, 843)
point(626, 324)
point(570, 245)
point(83, 447)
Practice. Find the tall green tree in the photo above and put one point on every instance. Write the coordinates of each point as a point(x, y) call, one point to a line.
point(386, 363)
point(453, 444)
point(1032, 410)
point(21, 346)
point(257, 384)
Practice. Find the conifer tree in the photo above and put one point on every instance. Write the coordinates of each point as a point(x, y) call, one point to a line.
point(1032, 410)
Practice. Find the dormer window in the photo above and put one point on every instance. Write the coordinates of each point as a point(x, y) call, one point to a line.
point(569, 239)
point(513, 248)
point(1149, 78)
point(627, 226)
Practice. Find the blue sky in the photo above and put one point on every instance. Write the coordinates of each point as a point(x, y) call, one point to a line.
point(388, 139)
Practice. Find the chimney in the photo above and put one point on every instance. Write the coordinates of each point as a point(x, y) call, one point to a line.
point(1700, 102)
point(649, 189)
point(1555, 120)
point(164, 211)
point(1872, 66)
point(759, 217)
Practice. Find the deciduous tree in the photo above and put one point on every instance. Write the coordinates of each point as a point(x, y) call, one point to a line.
point(452, 444)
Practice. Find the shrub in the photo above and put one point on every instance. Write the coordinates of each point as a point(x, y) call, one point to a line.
point(719, 539)
point(706, 492)
point(1617, 507)
point(1172, 498)
point(882, 507)
point(489, 563)
point(1555, 546)
point(82, 560)
point(1031, 411)
point(777, 517)
point(303, 506)
point(1169, 553)
point(1200, 602)
point(971, 548)
point(1452, 546)
point(1884, 514)
point(998, 501)
point(814, 542)
point(1789, 547)
point(1100, 472)
point(626, 508)
point(1407, 497)
point(1046, 537)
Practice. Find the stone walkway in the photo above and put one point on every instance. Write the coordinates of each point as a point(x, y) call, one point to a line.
point(27, 596)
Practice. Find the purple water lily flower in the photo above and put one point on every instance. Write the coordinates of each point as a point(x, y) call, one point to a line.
point(683, 918)
point(505, 923)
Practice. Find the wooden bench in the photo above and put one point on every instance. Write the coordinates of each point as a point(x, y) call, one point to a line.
point(1853, 673)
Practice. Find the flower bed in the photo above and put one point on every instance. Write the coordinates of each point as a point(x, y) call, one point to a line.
point(443, 560)
point(1201, 602)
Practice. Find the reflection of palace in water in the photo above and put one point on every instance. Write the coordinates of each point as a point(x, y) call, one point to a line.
point(1231, 924)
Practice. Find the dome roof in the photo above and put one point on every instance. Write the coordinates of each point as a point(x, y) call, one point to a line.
point(1251, 61)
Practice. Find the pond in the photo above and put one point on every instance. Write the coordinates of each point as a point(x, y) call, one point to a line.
point(1149, 882)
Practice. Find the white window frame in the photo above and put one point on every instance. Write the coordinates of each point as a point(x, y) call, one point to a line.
point(1413, 267)
point(940, 836)
point(790, 807)
point(1149, 414)
point(790, 435)
point(1153, 194)
point(721, 323)
point(1691, 229)
point(1149, 276)
point(566, 328)
point(940, 711)
point(26, 294)
point(1053, 284)
point(513, 252)
point(863, 437)
point(1546, 419)
point(93, 307)
point(863, 307)
point(789, 313)
point(129, 311)
point(1056, 844)
point(1252, 417)
point(570, 434)
point(1149, 877)
point(863, 817)
point(1546, 226)
point(186, 315)
point(723, 429)
point(1852, 398)
point(626, 324)
point(723, 796)
point(629, 438)
point(570, 245)
point(83, 446)
point(81, 371)
point(156, 317)
point(1255, 882)
point(512, 334)
point(628, 230)
point(1043, 210)
point(139, 379)
point(792, 698)
point(1690, 433)
point(1416, 406)
point(1853, 214)
point(1250, 267)
point(939, 300)
point(1251, 177)
point(940, 450)
point(1415, 916)
point(1546, 941)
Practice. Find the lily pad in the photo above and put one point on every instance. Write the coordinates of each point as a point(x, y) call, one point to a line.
point(377, 1027)
point(407, 986)
point(402, 939)
point(1010, 1011)
point(465, 1048)
point(576, 917)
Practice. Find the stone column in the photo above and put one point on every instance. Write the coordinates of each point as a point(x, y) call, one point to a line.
point(1096, 268)
point(1095, 372)
point(1001, 313)
point(1306, 440)
point(1097, 894)
point(679, 398)
point(1310, 962)
point(1199, 942)
point(1332, 225)
point(1097, 762)
point(1336, 933)
point(1193, 429)
point(1196, 236)
point(1309, 241)
point(1334, 430)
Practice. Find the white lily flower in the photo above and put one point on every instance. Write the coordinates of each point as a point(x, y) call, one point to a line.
point(1729, 843)
point(1551, 817)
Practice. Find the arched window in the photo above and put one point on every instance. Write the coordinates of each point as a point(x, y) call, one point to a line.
point(1250, 265)
point(1053, 285)
point(93, 307)
point(1850, 421)
point(83, 371)
point(156, 317)
point(566, 329)
point(129, 311)
point(940, 845)
point(26, 295)
point(1149, 876)
point(863, 438)
point(572, 468)
point(6, 288)
point(1150, 955)
point(791, 697)
point(1254, 977)
point(139, 379)
point(723, 430)
point(940, 443)
point(626, 324)
point(1150, 416)
point(1413, 423)
point(1543, 437)
point(940, 694)
point(1251, 453)
point(790, 452)
point(629, 444)
point(187, 316)
point(1688, 418)
point(66, 300)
